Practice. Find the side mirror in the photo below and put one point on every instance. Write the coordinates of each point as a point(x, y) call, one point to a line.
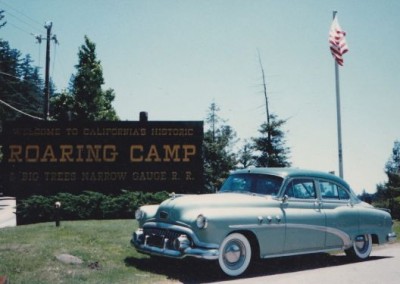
point(285, 198)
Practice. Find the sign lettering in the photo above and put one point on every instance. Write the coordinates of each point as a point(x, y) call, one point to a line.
point(103, 156)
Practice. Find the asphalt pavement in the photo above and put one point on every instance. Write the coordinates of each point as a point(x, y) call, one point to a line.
point(7, 212)
point(382, 267)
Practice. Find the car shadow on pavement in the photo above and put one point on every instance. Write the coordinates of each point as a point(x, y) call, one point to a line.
point(200, 271)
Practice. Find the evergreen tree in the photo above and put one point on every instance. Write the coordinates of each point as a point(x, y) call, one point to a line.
point(219, 159)
point(389, 192)
point(20, 84)
point(31, 87)
point(2, 22)
point(246, 156)
point(270, 146)
point(86, 100)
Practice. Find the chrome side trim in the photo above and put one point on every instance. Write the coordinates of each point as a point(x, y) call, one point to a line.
point(301, 252)
point(342, 235)
point(255, 226)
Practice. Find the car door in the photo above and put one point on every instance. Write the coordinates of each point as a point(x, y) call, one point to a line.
point(342, 218)
point(305, 221)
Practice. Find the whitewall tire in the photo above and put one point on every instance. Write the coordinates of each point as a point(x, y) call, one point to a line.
point(234, 254)
point(362, 247)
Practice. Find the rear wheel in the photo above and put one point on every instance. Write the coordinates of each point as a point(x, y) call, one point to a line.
point(234, 254)
point(362, 247)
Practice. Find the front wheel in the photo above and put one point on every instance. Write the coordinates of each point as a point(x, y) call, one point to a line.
point(234, 254)
point(362, 247)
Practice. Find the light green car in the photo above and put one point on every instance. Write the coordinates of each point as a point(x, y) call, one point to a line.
point(264, 213)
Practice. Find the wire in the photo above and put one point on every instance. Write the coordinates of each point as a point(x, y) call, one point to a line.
point(19, 12)
point(20, 111)
point(54, 56)
point(3, 73)
point(19, 28)
point(19, 79)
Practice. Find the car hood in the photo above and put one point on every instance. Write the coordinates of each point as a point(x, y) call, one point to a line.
point(187, 207)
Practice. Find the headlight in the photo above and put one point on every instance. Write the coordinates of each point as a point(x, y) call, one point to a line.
point(201, 222)
point(139, 214)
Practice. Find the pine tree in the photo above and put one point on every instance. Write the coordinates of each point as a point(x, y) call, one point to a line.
point(86, 100)
point(389, 192)
point(20, 84)
point(246, 155)
point(2, 22)
point(219, 158)
point(270, 146)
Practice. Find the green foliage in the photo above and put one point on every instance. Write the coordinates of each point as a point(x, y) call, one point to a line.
point(86, 100)
point(2, 23)
point(20, 84)
point(246, 156)
point(388, 193)
point(219, 158)
point(270, 146)
point(87, 205)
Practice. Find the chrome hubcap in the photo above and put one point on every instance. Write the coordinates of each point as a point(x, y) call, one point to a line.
point(362, 244)
point(234, 253)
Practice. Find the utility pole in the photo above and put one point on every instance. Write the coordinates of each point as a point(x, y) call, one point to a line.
point(47, 26)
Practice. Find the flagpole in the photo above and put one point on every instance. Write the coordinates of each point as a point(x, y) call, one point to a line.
point(339, 120)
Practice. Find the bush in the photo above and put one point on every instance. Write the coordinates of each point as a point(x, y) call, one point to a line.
point(85, 206)
point(392, 204)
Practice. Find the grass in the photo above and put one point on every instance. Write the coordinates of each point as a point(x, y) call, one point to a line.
point(28, 255)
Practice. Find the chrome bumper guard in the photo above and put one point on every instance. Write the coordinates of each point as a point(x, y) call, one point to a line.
point(391, 237)
point(143, 247)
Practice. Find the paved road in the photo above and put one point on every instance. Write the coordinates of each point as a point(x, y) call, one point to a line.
point(7, 212)
point(382, 268)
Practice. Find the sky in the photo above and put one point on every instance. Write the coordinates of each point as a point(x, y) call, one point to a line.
point(173, 59)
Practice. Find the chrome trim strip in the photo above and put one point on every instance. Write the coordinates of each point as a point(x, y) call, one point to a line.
point(301, 252)
point(342, 235)
point(255, 226)
point(334, 231)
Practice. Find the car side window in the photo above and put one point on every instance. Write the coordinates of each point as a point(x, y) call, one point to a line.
point(301, 189)
point(330, 190)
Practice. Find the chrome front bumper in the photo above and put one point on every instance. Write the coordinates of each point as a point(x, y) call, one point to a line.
point(139, 241)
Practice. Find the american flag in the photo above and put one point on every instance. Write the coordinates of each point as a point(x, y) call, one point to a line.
point(337, 42)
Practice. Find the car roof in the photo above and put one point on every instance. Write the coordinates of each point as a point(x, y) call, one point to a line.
point(293, 172)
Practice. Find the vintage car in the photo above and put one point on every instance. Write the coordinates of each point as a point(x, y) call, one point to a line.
point(264, 213)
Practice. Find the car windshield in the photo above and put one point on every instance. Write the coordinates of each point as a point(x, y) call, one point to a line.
point(252, 183)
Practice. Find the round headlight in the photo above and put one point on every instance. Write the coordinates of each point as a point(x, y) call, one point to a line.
point(201, 222)
point(139, 214)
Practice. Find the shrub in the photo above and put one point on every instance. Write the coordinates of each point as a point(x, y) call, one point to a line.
point(84, 206)
point(392, 204)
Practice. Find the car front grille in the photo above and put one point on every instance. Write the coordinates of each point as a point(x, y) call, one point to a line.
point(161, 238)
